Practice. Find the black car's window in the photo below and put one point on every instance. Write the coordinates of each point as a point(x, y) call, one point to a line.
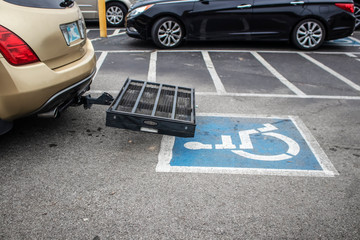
point(54, 4)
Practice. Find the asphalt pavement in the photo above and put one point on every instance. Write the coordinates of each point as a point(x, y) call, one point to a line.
point(75, 178)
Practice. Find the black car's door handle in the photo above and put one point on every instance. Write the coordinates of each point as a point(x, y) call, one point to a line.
point(244, 6)
point(297, 2)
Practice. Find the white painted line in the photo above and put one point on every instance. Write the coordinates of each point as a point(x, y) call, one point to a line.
point(285, 96)
point(225, 51)
point(122, 33)
point(220, 89)
point(282, 79)
point(100, 62)
point(351, 55)
point(355, 39)
point(163, 167)
point(98, 29)
point(332, 72)
point(152, 67)
point(324, 97)
point(129, 51)
point(315, 147)
point(165, 154)
point(116, 32)
point(328, 170)
point(109, 36)
point(248, 51)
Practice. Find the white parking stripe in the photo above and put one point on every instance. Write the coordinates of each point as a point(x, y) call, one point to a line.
point(257, 95)
point(332, 72)
point(355, 39)
point(152, 67)
point(282, 79)
point(100, 62)
point(220, 89)
point(116, 32)
point(224, 51)
point(351, 55)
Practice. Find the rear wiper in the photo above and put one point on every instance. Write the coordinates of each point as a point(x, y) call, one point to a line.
point(66, 3)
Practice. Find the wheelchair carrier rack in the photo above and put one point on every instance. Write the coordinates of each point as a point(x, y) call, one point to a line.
point(153, 107)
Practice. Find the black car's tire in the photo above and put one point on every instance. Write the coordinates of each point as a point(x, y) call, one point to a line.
point(308, 34)
point(167, 32)
point(115, 14)
point(357, 15)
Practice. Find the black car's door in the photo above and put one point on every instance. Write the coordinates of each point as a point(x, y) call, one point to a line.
point(276, 18)
point(220, 19)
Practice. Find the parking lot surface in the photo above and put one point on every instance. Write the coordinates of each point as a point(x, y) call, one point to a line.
point(74, 178)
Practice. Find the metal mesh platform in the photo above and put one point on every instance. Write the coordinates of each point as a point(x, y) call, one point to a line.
point(154, 107)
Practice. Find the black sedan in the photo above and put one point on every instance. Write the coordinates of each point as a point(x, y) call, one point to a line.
point(306, 23)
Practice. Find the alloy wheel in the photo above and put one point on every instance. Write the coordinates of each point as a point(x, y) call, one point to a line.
point(169, 33)
point(114, 15)
point(309, 35)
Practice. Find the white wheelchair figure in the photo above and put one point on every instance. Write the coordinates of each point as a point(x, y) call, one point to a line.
point(246, 144)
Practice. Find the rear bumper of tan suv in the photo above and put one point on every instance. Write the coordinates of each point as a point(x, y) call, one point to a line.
point(36, 88)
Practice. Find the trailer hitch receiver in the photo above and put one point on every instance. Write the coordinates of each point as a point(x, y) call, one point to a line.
point(104, 99)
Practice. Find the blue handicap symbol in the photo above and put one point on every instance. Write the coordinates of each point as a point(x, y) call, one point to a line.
point(236, 142)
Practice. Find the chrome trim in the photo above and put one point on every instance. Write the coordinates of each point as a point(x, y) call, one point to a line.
point(85, 5)
point(51, 114)
point(177, 2)
point(244, 6)
point(297, 2)
point(89, 11)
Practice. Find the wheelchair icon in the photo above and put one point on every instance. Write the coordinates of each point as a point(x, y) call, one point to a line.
point(246, 144)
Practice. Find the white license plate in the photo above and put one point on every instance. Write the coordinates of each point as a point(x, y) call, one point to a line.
point(71, 32)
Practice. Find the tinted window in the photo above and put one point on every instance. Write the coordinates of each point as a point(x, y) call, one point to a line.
point(38, 3)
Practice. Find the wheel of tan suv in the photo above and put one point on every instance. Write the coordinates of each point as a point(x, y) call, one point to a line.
point(115, 14)
point(167, 32)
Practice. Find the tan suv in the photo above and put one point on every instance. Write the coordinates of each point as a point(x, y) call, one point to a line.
point(46, 61)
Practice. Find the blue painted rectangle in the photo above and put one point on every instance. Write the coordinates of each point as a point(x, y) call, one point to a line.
point(209, 132)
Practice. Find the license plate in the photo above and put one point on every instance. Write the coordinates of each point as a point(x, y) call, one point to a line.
point(71, 32)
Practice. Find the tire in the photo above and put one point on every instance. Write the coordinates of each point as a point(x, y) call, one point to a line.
point(115, 14)
point(357, 15)
point(167, 32)
point(308, 34)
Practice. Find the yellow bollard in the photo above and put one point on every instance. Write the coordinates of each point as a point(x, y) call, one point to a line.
point(102, 18)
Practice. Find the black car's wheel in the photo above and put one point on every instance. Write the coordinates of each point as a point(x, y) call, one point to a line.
point(167, 33)
point(308, 34)
point(115, 14)
point(357, 15)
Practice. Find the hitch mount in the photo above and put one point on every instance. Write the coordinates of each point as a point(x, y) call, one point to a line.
point(104, 99)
